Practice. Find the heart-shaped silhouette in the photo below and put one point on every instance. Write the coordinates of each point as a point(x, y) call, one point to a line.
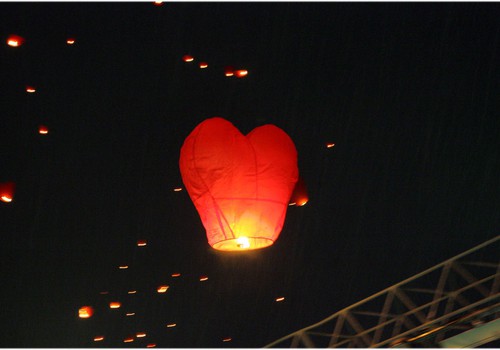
point(240, 185)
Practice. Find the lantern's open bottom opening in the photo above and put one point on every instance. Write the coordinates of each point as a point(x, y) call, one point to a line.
point(243, 243)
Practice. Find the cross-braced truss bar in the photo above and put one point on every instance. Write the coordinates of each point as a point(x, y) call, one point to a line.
point(441, 302)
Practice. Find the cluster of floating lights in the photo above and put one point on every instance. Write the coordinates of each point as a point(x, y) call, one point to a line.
point(7, 190)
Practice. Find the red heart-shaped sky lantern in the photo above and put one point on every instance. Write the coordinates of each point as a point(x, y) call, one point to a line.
point(240, 185)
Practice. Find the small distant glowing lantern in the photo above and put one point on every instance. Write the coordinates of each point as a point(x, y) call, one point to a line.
point(43, 130)
point(15, 40)
point(227, 339)
point(158, 3)
point(30, 89)
point(330, 145)
point(85, 312)
point(140, 335)
point(203, 278)
point(299, 194)
point(130, 314)
point(128, 340)
point(123, 267)
point(99, 338)
point(141, 243)
point(228, 71)
point(132, 292)
point(241, 73)
point(70, 41)
point(104, 292)
point(7, 190)
point(177, 189)
point(152, 345)
point(203, 65)
point(280, 299)
point(188, 58)
point(240, 185)
point(176, 274)
point(171, 325)
point(162, 289)
point(115, 305)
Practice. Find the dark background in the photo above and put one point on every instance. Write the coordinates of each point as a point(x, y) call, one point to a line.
point(409, 93)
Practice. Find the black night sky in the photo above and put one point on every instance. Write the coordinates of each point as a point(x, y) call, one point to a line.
point(408, 92)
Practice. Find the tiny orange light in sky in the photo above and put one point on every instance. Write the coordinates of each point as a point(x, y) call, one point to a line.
point(140, 335)
point(227, 339)
point(280, 299)
point(130, 314)
point(188, 58)
point(104, 292)
point(123, 267)
point(30, 89)
point(99, 338)
point(141, 243)
point(171, 325)
point(128, 340)
point(177, 189)
point(15, 41)
point(330, 145)
point(203, 278)
point(7, 191)
point(241, 73)
point(228, 71)
point(132, 291)
point(42, 129)
point(70, 41)
point(162, 289)
point(115, 305)
point(176, 274)
point(151, 345)
point(85, 312)
point(203, 65)
point(158, 3)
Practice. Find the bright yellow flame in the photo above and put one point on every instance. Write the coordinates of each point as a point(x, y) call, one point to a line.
point(204, 278)
point(162, 289)
point(85, 312)
point(115, 305)
point(6, 199)
point(43, 131)
point(13, 42)
point(280, 299)
point(170, 325)
point(140, 335)
point(243, 242)
point(99, 338)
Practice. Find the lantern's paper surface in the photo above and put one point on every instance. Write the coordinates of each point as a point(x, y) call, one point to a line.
point(240, 185)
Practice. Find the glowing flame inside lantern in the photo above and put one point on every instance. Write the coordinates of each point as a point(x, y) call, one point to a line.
point(30, 89)
point(99, 338)
point(241, 73)
point(6, 199)
point(15, 41)
point(70, 41)
point(243, 242)
point(188, 58)
point(43, 130)
point(162, 289)
point(85, 312)
point(115, 305)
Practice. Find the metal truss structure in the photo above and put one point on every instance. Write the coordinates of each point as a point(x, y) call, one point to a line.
point(453, 304)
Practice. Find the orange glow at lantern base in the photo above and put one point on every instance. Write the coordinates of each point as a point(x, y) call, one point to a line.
point(15, 41)
point(30, 89)
point(6, 199)
point(70, 41)
point(151, 345)
point(85, 312)
point(162, 289)
point(115, 305)
point(99, 338)
point(43, 130)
